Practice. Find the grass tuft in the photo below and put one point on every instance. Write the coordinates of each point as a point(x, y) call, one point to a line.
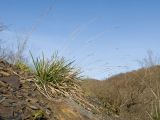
point(22, 66)
point(54, 70)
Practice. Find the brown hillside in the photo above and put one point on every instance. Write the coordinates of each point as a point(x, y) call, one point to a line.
point(128, 96)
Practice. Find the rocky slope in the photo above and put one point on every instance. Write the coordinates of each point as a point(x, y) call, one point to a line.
point(21, 100)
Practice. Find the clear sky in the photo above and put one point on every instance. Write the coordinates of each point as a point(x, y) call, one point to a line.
point(103, 36)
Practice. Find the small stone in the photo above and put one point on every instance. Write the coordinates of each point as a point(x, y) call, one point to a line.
point(13, 81)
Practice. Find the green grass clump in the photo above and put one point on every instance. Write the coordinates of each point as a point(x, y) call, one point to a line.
point(54, 70)
point(38, 115)
point(22, 66)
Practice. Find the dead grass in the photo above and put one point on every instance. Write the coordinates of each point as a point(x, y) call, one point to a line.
point(127, 94)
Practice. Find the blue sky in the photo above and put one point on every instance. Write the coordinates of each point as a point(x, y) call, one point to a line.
point(105, 37)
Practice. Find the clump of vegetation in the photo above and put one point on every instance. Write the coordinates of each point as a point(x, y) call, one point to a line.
point(54, 70)
point(38, 115)
point(23, 66)
point(55, 76)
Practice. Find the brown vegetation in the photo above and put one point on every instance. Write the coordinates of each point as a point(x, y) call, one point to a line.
point(128, 96)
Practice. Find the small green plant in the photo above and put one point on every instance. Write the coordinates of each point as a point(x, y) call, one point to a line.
point(38, 115)
point(22, 66)
point(54, 70)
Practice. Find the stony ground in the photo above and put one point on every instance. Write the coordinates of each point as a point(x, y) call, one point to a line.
point(21, 100)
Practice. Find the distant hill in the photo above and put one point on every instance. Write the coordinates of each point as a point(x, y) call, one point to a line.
point(128, 96)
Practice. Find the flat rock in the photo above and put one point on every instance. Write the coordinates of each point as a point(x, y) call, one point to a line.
point(13, 81)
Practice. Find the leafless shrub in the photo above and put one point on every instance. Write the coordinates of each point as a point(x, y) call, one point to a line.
point(13, 56)
point(2, 49)
point(19, 53)
point(150, 60)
